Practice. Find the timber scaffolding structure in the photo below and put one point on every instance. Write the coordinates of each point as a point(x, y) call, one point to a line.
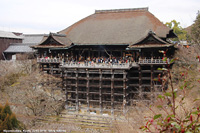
point(102, 89)
point(107, 87)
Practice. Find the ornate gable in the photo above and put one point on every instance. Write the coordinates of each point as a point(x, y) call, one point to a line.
point(51, 42)
point(151, 40)
point(54, 40)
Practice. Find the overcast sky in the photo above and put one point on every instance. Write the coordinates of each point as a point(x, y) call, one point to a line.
point(44, 16)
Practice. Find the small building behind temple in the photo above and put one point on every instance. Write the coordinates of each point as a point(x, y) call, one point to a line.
point(6, 38)
point(20, 51)
point(108, 60)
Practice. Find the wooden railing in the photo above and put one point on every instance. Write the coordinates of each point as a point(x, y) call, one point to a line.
point(103, 65)
point(153, 61)
point(99, 65)
point(54, 60)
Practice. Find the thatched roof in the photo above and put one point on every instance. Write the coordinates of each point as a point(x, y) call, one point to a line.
point(120, 26)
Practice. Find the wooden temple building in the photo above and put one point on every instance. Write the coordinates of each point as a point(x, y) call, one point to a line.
point(108, 60)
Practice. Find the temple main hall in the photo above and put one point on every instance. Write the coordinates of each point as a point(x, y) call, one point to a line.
point(109, 60)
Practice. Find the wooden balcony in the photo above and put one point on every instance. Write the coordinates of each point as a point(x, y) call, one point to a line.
point(102, 65)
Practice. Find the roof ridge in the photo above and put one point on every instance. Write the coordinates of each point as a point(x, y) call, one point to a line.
point(121, 10)
point(34, 34)
point(22, 44)
point(57, 34)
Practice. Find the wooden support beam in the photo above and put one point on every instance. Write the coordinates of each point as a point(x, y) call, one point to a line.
point(79, 54)
point(140, 83)
point(124, 91)
point(62, 77)
point(100, 91)
point(89, 55)
point(76, 86)
point(66, 94)
point(112, 92)
point(51, 69)
point(152, 81)
point(163, 72)
point(88, 90)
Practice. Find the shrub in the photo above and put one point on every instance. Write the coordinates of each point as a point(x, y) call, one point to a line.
point(8, 119)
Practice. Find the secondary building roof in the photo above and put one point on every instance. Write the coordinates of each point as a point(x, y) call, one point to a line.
point(33, 38)
point(5, 34)
point(25, 47)
point(19, 48)
point(119, 26)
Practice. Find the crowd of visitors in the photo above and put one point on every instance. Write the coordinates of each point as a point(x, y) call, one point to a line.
point(93, 61)
point(89, 61)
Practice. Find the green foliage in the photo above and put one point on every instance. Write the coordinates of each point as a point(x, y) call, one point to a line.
point(178, 30)
point(8, 120)
point(157, 116)
point(1, 107)
point(196, 30)
point(6, 109)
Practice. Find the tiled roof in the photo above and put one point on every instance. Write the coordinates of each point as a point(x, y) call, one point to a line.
point(5, 34)
point(33, 38)
point(19, 48)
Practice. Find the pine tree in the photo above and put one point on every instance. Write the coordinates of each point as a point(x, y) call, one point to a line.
point(178, 30)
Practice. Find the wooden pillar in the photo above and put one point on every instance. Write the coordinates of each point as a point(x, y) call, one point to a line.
point(112, 92)
point(152, 80)
point(89, 54)
point(88, 91)
point(92, 53)
point(140, 83)
point(71, 54)
point(77, 104)
point(79, 54)
point(98, 53)
point(40, 66)
point(124, 91)
point(51, 69)
point(62, 75)
point(163, 72)
point(100, 91)
point(66, 90)
point(152, 54)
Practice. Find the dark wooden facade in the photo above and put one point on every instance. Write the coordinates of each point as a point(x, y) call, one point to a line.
point(5, 43)
point(104, 78)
